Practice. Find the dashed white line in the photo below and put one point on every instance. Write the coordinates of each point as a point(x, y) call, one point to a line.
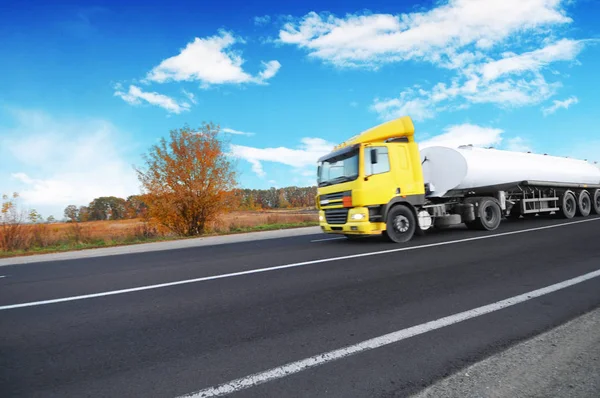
point(326, 239)
point(394, 337)
point(2, 276)
point(280, 267)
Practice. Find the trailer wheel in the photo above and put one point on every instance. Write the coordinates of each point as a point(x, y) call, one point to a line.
point(596, 202)
point(584, 204)
point(401, 224)
point(488, 216)
point(568, 205)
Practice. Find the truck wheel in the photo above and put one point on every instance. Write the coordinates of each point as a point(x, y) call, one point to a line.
point(401, 224)
point(489, 215)
point(568, 205)
point(596, 202)
point(584, 204)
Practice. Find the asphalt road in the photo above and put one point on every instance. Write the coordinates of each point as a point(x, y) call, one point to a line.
point(175, 339)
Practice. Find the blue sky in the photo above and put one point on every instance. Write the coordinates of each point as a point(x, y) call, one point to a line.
point(86, 88)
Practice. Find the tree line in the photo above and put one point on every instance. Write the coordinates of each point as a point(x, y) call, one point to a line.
point(277, 198)
point(134, 206)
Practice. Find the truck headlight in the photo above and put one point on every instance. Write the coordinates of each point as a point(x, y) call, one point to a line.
point(321, 218)
point(358, 217)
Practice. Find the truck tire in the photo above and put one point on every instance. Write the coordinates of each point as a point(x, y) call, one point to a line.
point(596, 202)
point(400, 224)
point(488, 216)
point(584, 204)
point(568, 205)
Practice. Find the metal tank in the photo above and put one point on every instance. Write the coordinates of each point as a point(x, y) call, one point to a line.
point(453, 170)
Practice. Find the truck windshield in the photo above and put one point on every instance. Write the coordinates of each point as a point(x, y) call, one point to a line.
point(339, 169)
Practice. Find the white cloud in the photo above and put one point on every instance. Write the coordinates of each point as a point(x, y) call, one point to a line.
point(53, 163)
point(465, 134)
point(556, 105)
point(190, 96)
point(301, 158)
point(270, 69)
point(498, 50)
point(261, 21)
point(135, 96)
point(514, 81)
point(451, 34)
point(563, 50)
point(418, 108)
point(210, 60)
point(236, 132)
point(518, 144)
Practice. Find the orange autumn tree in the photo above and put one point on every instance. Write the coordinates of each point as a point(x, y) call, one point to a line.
point(189, 180)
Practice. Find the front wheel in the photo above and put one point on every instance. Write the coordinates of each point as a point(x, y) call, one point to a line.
point(401, 224)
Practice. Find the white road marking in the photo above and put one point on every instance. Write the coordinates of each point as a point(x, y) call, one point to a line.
point(279, 267)
point(2, 276)
point(326, 239)
point(394, 337)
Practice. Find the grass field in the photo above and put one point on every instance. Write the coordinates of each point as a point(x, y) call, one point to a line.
point(56, 237)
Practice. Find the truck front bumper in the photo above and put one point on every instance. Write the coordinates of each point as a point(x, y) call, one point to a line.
point(352, 227)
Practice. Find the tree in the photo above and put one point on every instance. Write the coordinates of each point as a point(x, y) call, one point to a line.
point(50, 219)
point(135, 206)
point(107, 208)
point(84, 214)
point(12, 233)
point(34, 217)
point(71, 213)
point(189, 180)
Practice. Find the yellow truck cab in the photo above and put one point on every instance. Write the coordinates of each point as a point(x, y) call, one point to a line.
point(378, 182)
point(365, 176)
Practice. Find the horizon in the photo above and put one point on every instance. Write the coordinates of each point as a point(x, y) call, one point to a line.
point(85, 91)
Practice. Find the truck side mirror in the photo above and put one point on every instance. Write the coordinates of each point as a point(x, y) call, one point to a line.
point(373, 156)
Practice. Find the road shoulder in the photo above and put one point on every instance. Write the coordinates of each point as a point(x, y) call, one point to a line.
point(159, 246)
point(563, 362)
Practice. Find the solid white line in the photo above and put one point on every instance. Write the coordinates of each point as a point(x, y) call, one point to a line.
point(326, 239)
point(279, 267)
point(394, 337)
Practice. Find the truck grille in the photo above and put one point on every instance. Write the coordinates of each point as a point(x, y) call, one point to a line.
point(333, 196)
point(336, 216)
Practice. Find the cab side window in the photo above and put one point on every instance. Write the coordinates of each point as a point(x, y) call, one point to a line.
point(377, 160)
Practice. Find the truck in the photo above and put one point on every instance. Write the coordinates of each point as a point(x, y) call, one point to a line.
point(380, 183)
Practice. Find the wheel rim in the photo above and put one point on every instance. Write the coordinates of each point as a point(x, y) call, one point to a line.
point(597, 201)
point(401, 224)
point(570, 205)
point(489, 214)
point(585, 203)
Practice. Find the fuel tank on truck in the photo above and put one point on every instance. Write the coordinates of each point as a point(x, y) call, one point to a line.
point(467, 168)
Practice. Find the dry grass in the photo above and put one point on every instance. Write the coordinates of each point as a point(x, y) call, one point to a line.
point(40, 238)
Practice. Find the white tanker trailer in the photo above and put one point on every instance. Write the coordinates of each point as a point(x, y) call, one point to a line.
point(459, 180)
point(380, 182)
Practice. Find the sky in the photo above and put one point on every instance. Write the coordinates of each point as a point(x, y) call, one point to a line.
point(87, 88)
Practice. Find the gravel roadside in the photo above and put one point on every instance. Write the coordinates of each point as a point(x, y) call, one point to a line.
point(563, 362)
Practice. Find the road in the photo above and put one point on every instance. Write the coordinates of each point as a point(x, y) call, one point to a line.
point(175, 322)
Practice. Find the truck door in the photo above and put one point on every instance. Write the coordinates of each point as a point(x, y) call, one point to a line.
point(403, 171)
point(380, 181)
